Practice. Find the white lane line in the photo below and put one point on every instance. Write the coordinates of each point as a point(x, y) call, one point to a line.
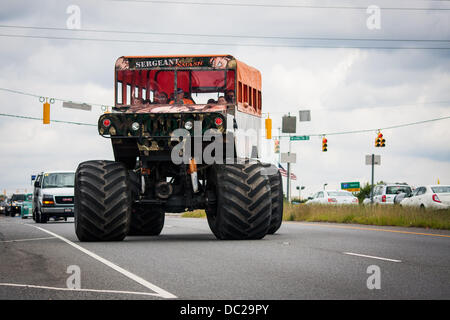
point(78, 290)
point(372, 257)
point(31, 239)
point(161, 292)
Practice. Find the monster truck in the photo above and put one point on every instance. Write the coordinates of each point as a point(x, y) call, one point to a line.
point(184, 133)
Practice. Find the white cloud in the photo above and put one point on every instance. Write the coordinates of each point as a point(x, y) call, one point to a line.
point(344, 88)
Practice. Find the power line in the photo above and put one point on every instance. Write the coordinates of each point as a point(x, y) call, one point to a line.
point(311, 135)
point(318, 135)
point(221, 35)
point(353, 108)
point(34, 118)
point(286, 6)
point(56, 99)
point(376, 129)
point(222, 44)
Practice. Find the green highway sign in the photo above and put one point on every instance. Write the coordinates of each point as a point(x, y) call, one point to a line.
point(350, 185)
point(295, 138)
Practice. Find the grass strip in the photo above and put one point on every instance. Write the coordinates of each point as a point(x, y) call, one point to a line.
point(379, 215)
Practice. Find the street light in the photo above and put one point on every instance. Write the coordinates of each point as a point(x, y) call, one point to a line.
point(300, 192)
point(325, 184)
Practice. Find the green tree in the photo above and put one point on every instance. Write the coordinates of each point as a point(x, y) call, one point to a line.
point(365, 191)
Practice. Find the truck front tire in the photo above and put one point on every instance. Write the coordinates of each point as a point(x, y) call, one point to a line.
point(102, 201)
point(239, 201)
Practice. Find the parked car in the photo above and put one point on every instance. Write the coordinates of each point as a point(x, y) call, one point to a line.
point(16, 204)
point(400, 196)
point(333, 197)
point(27, 206)
point(8, 207)
point(3, 205)
point(429, 197)
point(385, 193)
point(53, 196)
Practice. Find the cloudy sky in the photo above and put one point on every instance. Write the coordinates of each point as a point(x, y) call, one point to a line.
point(349, 86)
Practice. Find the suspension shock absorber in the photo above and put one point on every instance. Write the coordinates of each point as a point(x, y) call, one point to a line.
point(193, 172)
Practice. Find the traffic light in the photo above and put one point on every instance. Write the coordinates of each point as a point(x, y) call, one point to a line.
point(269, 128)
point(324, 144)
point(46, 117)
point(277, 146)
point(380, 141)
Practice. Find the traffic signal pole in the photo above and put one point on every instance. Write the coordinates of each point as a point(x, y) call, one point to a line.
point(289, 174)
point(373, 169)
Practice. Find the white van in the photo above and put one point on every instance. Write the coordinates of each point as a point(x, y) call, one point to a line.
point(53, 195)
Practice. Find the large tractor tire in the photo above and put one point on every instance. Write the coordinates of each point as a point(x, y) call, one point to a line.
point(276, 190)
point(239, 203)
point(146, 220)
point(102, 201)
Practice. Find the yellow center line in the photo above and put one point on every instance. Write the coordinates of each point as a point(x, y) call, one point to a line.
point(372, 229)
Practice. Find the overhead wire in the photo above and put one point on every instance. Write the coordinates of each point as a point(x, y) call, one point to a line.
point(318, 135)
point(267, 5)
point(222, 44)
point(88, 30)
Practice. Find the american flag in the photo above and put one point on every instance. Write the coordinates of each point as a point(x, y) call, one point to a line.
point(284, 172)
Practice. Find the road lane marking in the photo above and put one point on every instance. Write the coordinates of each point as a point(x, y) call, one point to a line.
point(161, 292)
point(31, 239)
point(79, 290)
point(371, 229)
point(372, 257)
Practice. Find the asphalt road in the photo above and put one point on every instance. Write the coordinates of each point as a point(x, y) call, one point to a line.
point(301, 261)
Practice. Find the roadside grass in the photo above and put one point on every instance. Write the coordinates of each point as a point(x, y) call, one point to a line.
point(194, 214)
point(386, 215)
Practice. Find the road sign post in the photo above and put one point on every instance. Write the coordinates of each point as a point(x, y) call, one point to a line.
point(351, 186)
point(289, 158)
point(372, 160)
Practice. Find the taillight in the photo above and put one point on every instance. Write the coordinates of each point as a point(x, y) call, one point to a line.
point(106, 123)
point(355, 200)
point(332, 200)
point(383, 198)
point(435, 198)
point(218, 121)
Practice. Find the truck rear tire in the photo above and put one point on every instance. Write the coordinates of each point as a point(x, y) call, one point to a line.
point(146, 220)
point(276, 190)
point(239, 203)
point(102, 201)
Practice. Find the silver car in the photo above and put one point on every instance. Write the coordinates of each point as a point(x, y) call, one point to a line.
point(53, 196)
